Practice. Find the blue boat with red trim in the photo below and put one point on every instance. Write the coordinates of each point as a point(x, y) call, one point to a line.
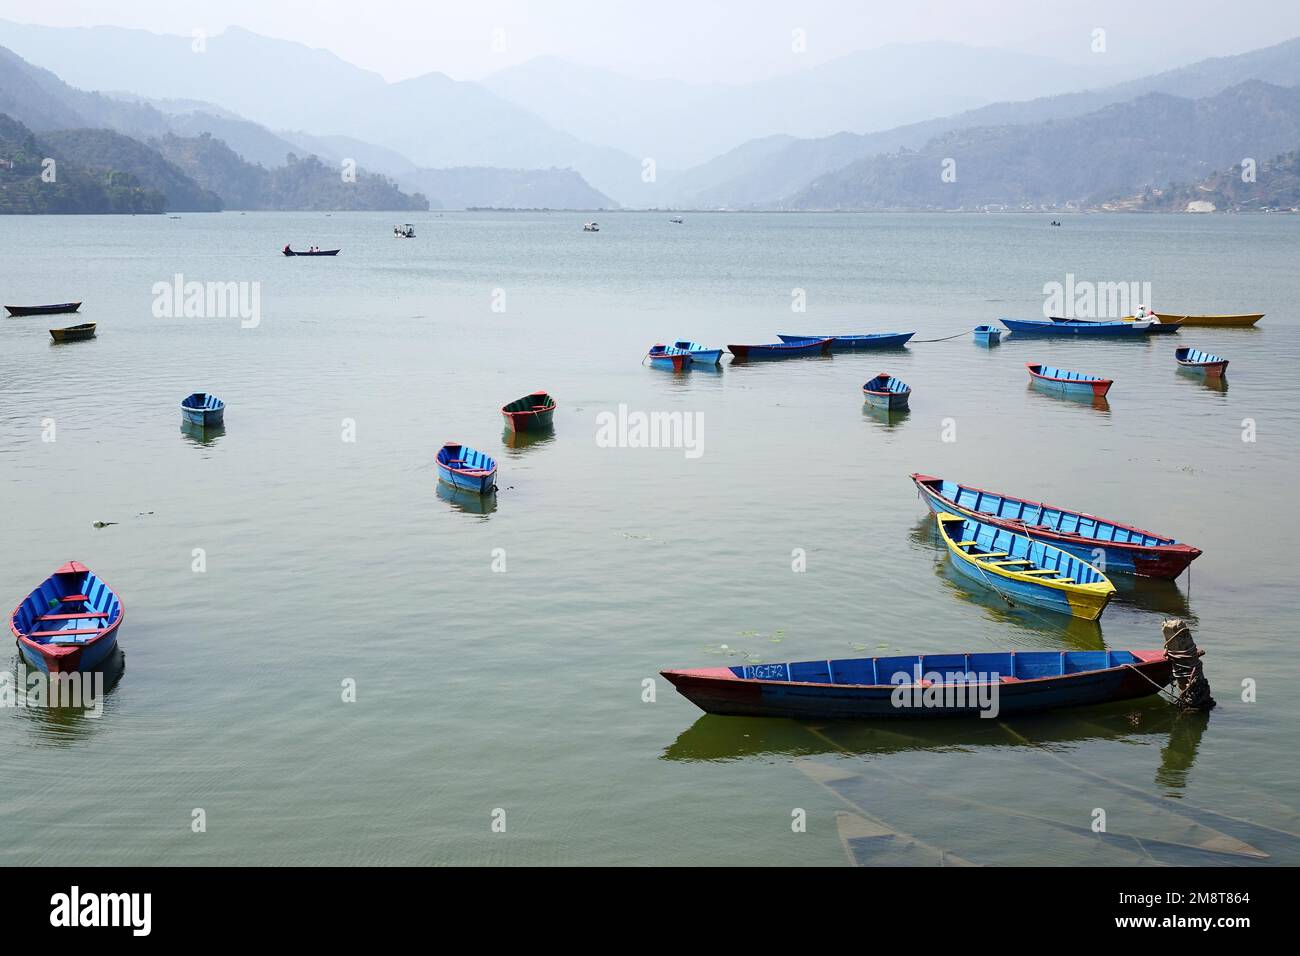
point(467, 468)
point(845, 343)
point(926, 685)
point(69, 622)
point(780, 350)
point(885, 391)
point(1123, 549)
point(203, 409)
point(1194, 360)
point(669, 356)
point(1068, 382)
point(700, 354)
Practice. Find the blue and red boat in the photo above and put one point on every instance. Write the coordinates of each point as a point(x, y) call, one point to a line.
point(925, 685)
point(1194, 360)
point(1078, 384)
point(669, 356)
point(1124, 549)
point(467, 468)
point(885, 391)
point(69, 622)
point(845, 343)
point(700, 354)
point(780, 350)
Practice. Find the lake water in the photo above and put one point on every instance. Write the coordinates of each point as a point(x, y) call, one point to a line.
point(328, 560)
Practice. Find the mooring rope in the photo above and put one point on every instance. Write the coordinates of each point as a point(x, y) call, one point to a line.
point(944, 339)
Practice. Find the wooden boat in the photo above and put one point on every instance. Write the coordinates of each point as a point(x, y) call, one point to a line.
point(203, 409)
point(885, 391)
point(69, 622)
point(57, 308)
point(700, 354)
point(987, 335)
point(317, 252)
point(74, 333)
point(669, 356)
point(404, 231)
point(534, 412)
point(463, 467)
point(677, 220)
point(591, 227)
point(1194, 360)
point(1214, 321)
point(1116, 329)
point(1023, 569)
point(1124, 549)
point(925, 685)
point(1067, 382)
point(844, 343)
point(780, 350)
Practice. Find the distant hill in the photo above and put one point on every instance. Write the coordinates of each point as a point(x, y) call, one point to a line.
point(479, 187)
point(106, 150)
point(774, 181)
point(75, 189)
point(1083, 161)
point(302, 183)
point(1275, 188)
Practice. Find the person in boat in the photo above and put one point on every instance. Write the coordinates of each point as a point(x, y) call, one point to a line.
point(286, 247)
point(1144, 314)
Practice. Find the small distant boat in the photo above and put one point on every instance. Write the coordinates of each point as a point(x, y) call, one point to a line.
point(1023, 569)
point(700, 354)
point(676, 219)
point(669, 356)
point(840, 343)
point(404, 231)
point(463, 467)
point(987, 335)
point(1116, 329)
point(203, 409)
point(591, 227)
point(57, 308)
point(69, 622)
point(533, 412)
point(1125, 549)
point(925, 685)
point(1216, 321)
point(1067, 382)
point(885, 391)
point(1194, 360)
point(310, 252)
point(780, 350)
point(74, 333)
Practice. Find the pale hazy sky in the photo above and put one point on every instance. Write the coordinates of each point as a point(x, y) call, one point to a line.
point(697, 40)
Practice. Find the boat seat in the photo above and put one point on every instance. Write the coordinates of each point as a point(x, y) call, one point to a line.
point(74, 597)
point(72, 617)
point(1041, 571)
point(69, 633)
point(966, 544)
point(1002, 564)
point(995, 554)
point(1064, 581)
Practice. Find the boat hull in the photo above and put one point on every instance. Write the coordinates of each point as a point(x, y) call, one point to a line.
point(1087, 606)
point(322, 252)
point(1201, 363)
point(986, 335)
point(467, 469)
point(781, 351)
point(56, 624)
point(673, 359)
point(888, 401)
point(1077, 387)
point(1213, 321)
point(1136, 558)
point(481, 485)
point(76, 333)
point(58, 308)
point(537, 418)
point(718, 690)
point(852, 343)
point(84, 658)
point(204, 417)
point(1116, 330)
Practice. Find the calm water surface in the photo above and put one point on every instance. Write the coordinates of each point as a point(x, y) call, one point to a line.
point(329, 559)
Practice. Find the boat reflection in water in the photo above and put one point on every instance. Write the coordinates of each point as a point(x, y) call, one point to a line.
point(1211, 383)
point(200, 435)
point(466, 502)
point(520, 442)
point(1153, 594)
point(1101, 404)
point(884, 417)
point(66, 724)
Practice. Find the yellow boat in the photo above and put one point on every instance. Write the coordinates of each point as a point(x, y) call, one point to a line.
point(1220, 321)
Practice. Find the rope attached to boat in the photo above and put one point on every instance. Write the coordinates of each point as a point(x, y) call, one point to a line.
point(1188, 670)
point(944, 339)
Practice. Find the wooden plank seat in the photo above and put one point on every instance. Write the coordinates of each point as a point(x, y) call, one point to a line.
point(994, 554)
point(1064, 581)
point(1003, 564)
point(966, 544)
point(1041, 571)
point(74, 597)
point(72, 617)
point(68, 633)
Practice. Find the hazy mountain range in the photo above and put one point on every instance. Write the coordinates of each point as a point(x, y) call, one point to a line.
point(866, 131)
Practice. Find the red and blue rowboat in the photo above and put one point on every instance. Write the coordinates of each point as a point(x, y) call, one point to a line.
point(1068, 382)
point(925, 685)
point(1125, 549)
point(534, 412)
point(780, 350)
point(700, 354)
point(840, 343)
point(669, 356)
point(1194, 360)
point(69, 622)
point(885, 391)
point(463, 467)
